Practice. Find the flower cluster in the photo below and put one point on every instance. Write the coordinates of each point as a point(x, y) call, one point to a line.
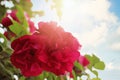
point(48, 48)
point(7, 22)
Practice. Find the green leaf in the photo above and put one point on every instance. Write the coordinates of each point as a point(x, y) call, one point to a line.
point(96, 79)
point(18, 29)
point(25, 24)
point(22, 25)
point(3, 10)
point(95, 59)
point(20, 13)
point(41, 77)
point(1, 48)
point(75, 77)
point(26, 6)
point(46, 74)
point(80, 78)
point(22, 78)
point(95, 72)
point(21, 17)
point(54, 77)
point(58, 78)
point(6, 72)
point(95, 63)
point(78, 65)
point(89, 58)
point(100, 65)
point(3, 45)
point(49, 77)
point(5, 40)
point(90, 66)
point(8, 50)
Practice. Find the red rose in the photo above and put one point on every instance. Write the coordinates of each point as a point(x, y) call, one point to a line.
point(6, 21)
point(50, 49)
point(83, 60)
point(61, 49)
point(24, 55)
point(13, 15)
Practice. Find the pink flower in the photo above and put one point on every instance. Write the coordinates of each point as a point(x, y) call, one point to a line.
point(83, 60)
point(24, 55)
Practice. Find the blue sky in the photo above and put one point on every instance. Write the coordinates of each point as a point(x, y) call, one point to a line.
point(96, 24)
point(115, 7)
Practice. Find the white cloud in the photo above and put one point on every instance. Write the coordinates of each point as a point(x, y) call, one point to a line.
point(111, 66)
point(115, 46)
point(91, 19)
point(114, 39)
point(118, 31)
point(81, 10)
point(93, 37)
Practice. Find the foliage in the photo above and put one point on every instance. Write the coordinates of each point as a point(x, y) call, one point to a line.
point(8, 70)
